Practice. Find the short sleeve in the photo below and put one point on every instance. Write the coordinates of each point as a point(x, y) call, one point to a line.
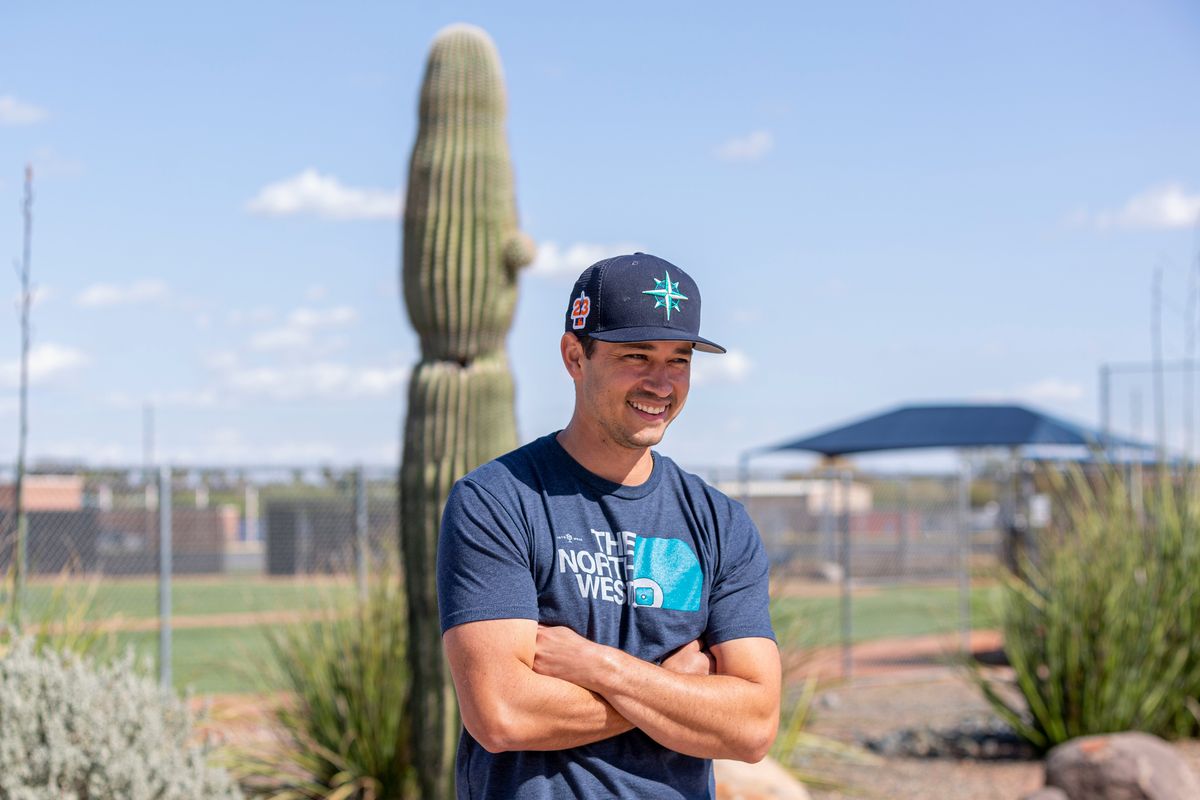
point(483, 560)
point(739, 604)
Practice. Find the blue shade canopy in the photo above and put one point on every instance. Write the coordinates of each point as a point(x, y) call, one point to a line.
point(953, 426)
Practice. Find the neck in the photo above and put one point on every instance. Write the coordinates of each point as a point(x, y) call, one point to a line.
point(601, 456)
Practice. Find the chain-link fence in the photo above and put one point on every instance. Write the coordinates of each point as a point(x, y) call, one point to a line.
point(878, 569)
point(241, 549)
point(857, 558)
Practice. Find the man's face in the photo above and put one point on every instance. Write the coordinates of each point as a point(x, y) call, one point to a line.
point(632, 391)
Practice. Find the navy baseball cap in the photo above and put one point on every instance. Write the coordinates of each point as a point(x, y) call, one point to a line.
point(637, 298)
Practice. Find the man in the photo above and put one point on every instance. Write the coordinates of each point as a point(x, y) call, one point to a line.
point(604, 613)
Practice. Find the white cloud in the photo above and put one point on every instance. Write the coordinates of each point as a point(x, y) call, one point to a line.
point(109, 294)
point(46, 362)
point(300, 328)
point(310, 192)
point(17, 112)
point(315, 293)
point(751, 147)
point(553, 261)
point(1165, 206)
point(319, 380)
point(711, 368)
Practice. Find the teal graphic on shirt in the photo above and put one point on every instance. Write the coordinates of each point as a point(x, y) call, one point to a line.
point(666, 574)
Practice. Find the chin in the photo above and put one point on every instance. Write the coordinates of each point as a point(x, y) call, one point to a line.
point(648, 438)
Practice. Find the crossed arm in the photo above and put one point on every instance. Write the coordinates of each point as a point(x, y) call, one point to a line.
point(525, 687)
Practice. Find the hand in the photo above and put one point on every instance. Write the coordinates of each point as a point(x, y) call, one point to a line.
point(562, 653)
point(691, 659)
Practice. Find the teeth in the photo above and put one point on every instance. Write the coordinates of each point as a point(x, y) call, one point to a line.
point(648, 409)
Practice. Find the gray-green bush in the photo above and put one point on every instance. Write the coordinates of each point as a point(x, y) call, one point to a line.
point(1103, 632)
point(72, 730)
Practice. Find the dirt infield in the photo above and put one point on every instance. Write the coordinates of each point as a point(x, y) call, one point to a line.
point(890, 656)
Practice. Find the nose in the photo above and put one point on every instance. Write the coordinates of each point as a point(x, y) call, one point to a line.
point(657, 382)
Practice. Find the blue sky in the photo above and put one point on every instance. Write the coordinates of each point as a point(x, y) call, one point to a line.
point(881, 202)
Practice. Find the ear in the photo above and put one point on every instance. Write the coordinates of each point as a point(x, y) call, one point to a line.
point(572, 355)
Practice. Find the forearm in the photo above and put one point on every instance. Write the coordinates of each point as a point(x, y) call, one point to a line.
point(505, 705)
point(709, 716)
point(538, 712)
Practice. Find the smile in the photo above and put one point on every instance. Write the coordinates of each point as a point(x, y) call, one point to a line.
point(646, 408)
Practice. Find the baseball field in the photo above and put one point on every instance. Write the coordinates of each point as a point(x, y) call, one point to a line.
point(220, 624)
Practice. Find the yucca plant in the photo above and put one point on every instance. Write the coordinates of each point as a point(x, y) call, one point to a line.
point(1103, 632)
point(342, 728)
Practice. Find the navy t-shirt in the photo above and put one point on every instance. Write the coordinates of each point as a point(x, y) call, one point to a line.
point(646, 569)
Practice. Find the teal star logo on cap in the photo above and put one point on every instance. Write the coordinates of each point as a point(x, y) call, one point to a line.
point(666, 294)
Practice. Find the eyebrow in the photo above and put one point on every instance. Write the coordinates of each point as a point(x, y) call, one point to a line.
point(682, 349)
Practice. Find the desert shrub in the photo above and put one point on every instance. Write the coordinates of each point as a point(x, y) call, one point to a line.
point(1103, 629)
point(72, 730)
point(344, 733)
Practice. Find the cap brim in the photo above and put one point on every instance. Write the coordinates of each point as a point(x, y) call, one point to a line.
point(652, 334)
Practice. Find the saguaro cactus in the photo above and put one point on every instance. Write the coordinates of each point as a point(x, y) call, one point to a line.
point(462, 251)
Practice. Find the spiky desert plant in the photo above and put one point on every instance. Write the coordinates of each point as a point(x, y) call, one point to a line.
point(1103, 629)
point(342, 734)
point(462, 252)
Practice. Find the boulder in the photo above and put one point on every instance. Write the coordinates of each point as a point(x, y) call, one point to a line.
point(766, 780)
point(1120, 766)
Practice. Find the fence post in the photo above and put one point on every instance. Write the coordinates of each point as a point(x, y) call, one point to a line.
point(904, 532)
point(847, 623)
point(164, 576)
point(828, 553)
point(360, 530)
point(964, 554)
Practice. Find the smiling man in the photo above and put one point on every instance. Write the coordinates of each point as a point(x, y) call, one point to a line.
point(604, 613)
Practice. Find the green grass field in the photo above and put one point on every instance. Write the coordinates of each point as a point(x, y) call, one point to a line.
point(880, 613)
point(138, 598)
point(232, 658)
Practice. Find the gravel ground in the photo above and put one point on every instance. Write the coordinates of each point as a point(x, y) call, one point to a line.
point(871, 707)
